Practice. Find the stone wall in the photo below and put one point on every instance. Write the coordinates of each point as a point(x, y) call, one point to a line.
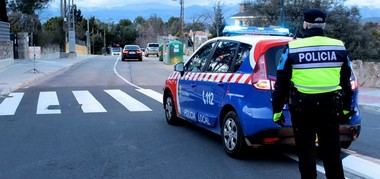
point(6, 50)
point(368, 73)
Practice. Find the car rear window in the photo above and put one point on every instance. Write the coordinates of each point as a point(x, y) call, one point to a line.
point(132, 47)
point(153, 45)
point(116, 49)
point(272, 57)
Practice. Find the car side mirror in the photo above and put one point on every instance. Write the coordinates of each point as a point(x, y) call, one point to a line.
point(180, 67)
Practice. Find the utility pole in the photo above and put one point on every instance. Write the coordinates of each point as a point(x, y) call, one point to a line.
point(71, 27)
point(88, 43)
point(104, 42)
point(282, 14)
point(3, 8)
point(182, 16)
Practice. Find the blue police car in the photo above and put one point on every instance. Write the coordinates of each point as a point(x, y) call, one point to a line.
point(226, 87)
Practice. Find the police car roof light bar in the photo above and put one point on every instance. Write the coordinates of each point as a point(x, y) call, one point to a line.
point(253, 30)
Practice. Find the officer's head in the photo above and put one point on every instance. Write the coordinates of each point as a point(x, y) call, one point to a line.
point(314, 18)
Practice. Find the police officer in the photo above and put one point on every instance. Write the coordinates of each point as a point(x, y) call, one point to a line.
point(314, 78)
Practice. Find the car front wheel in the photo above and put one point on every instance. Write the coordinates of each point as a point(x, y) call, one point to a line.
point(233, 138)
point(170, 114)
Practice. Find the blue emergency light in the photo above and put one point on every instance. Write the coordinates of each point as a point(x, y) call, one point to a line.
point(252, 30)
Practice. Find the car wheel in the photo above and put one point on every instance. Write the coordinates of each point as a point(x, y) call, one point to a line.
point(345, 144)
point(170, 114)
point(146, 55)
point(233, 138)
point(122, 59)
point(140, 59)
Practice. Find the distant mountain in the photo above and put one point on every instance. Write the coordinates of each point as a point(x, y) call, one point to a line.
point(145, 10)
point(369, 12)
point(371, 19)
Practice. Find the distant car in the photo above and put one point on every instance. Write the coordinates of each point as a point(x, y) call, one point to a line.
point(132, 52)
point(115, 51)
point(143, 49)
point(152, 49)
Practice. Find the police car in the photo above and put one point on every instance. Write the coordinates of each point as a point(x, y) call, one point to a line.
point(226, 86)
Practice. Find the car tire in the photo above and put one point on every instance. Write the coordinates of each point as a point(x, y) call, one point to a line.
point(170, 113)
point(146, 55)
point(232, 135)
point(157, 55)
point(140, 59)
point(345, 144)
point(122, 59)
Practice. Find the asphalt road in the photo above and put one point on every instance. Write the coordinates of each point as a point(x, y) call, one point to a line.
point(106, 139)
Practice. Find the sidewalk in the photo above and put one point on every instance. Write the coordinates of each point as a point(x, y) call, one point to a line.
point(20, 73)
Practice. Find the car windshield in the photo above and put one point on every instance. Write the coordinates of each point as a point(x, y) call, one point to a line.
point(153, 45)
point(132, 47)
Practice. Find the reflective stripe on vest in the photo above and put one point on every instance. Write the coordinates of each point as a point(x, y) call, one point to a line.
point(316, 63)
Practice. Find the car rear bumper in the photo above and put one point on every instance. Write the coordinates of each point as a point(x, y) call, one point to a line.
point(285, 136)
point(132, 56)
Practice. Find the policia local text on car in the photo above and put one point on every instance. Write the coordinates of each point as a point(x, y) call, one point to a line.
point(314, 78)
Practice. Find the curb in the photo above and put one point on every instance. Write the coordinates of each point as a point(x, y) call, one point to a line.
point(42, 77)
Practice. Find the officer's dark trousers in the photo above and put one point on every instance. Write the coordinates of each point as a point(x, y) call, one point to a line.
point(317, 115)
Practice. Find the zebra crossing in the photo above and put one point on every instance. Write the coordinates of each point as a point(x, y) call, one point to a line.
point(49, 102)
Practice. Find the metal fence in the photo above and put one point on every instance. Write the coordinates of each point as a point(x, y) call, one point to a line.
point(4, 32)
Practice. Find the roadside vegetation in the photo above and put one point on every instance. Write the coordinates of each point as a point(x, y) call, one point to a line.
point(362, 39)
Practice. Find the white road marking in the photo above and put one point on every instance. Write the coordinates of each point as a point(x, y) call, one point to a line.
point(10, 104)
point(121, 77)
point(319, 167)
point(153, 94)
point(361, 167)
point(88, 102)
point(45, 100)
point(127, 101)
point(354, 163)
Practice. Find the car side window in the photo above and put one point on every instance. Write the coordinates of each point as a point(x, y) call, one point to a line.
point(198, 61)
point(223, 57)
point(242, 54)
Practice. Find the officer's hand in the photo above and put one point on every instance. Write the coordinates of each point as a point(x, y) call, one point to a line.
point(279, 119)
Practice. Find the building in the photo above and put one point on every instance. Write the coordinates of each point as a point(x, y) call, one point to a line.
point(246, 17)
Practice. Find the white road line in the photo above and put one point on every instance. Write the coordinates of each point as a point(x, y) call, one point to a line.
point(121, 77)
point(10, 104)
point(88, 102)
point(319, 167)
point(46, 100)
point(361, 167)
point(152, 94)
point(127, 101)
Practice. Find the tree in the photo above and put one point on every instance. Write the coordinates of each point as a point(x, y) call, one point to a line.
point(174, 26)
point(27, 6)
point(219, 22)
point(3, 11)
point(52, 32)
point(342, 23)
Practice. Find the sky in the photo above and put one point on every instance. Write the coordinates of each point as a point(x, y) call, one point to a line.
point(119, 3)
point(89, 4)
point(365, 3)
